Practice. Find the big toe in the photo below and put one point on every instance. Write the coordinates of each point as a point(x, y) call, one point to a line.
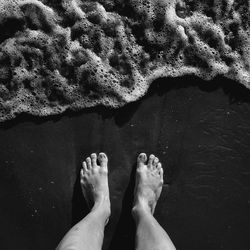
point(103, 159)
point(141, 159)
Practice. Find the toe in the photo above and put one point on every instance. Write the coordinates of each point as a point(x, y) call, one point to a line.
point(158, 166)
point(160, 170)
point(88, 161)
point(82, 176)
point(81, 173)
point(150, 161)
point(141, 159)
point(93, 159)
point(84, 167)
point(103, 159)
point(155, 161)
point(161, 175)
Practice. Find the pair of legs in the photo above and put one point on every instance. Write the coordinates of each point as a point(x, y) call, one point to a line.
point(89, 232)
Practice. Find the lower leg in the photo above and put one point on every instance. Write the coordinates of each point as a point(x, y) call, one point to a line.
point(150, 235)
point(88, 233)
point(149, 179)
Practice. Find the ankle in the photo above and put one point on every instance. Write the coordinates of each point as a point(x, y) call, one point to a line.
point(141, 206)
point(102, 206)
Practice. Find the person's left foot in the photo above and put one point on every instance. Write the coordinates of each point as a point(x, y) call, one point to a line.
point(94, 181)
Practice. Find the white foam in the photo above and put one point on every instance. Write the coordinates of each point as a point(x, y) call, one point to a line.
point(91, 55)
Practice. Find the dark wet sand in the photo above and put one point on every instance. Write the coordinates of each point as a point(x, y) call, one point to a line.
point(201, 133)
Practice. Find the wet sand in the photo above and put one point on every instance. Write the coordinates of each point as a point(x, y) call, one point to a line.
point(200, 132)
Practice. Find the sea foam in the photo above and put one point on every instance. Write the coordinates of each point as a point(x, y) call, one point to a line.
point(72, 54)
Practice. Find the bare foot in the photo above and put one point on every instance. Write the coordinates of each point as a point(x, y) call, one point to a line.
point(94, 182)
point(149, 181)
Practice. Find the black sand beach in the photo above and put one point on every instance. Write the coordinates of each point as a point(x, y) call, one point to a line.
point(201, 133)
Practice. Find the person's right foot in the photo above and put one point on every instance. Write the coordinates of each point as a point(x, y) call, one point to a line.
point(149, 181)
